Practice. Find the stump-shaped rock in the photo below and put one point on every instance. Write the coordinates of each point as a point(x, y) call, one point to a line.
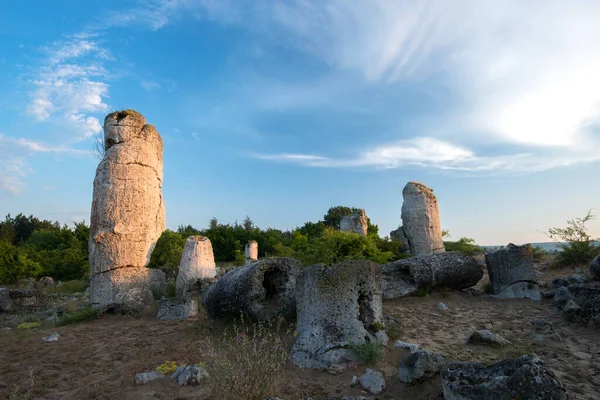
point(453, 270)
point(197, 262)
point(526, 377)
point(512, 266)
point(261, 290)
point(251, 251)
point(338, 306)
point(421, 220)
point(128, 212)
point(355, 223)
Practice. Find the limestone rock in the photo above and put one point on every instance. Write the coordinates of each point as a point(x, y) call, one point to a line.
point(6, 303)
point(190, 375)
point(403, 345)
point(520, 290)
point(560, 282)
point(145, 377)
point(421, 220)
point(28, 299)
point(487, 338)
point(197, 262)
point(508, 266)
point(261, 290)
point(595, 268)
point(107, 287)
point(338, 306)
point(526, 377)
point(399, 236)
point(422, 364)
point(453, 270)
point(133, 301)
point(574, 279)
point(355, 223)
point(177, 309)
point(128, 213)
point(372, 381)
point(251, 251)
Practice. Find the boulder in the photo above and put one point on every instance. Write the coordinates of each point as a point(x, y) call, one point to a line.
point(177, 308)
point(413, 348)
point(486, 337)
point(133, 301)
point(355, 223)
point(46, 281)
point(453, 270)
point(420, 365)
point(338, 307)
point(190, 375)
point(595, 268)
point(197, 262)
point(526, 377)
point(28, 299)
point(399, 236)
point(251, 251)
point(145, 377)
point(372, 381)
point(421, 220)
point(6, 303)
point(261, 290)
point(510, 266)
point(128, 212)
point(560, 282)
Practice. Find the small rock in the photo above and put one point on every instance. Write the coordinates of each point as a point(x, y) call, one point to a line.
point(372, 381)
point(145, 377)
point(354, 381)
point(488, 338)
point(561, 297)
point(6, 303)
point(51, 338)
point(442, 307)
point(190, 375)
point(403, 345)
point(577, 279)
point(540, 325)
point(547, 294)
point(560, 282)
point(422, 364)
point(571, 310)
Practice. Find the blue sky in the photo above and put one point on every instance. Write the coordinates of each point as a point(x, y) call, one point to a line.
point(280, 109)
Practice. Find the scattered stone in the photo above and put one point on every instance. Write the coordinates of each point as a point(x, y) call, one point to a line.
point(561, 296)
point(6, 303)
point(338, 306)
point(190, 375)
point(372, 381)
point(571, 310)
point(452, 270)
point(548, 294)
point(488, 338)
point(560, 282)
point(177, 308)
point(145, 377)
point(251, 251)
point(197, 262)
point(46, 281)
point(51, 338)
point(354, 381)
point(421, 220)
point(128, 212)
point(422, 364)
point(28, 299)
point(403, 345)
point(355, 223)
point(511, 272)
point(577, 279)
point(442, 306)
point(595, 268)
point(261, 290)
point(526, 377)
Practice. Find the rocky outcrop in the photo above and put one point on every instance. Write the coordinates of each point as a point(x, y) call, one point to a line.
point(355, 223)
point(526, 377)
point(399, 236)
point(511, 272)
point(595, 268)
point(421, 220)
point(338, 306)
point(251, 251)
point(6, 303)
point(28, 299)
point(197, 262)
point(261, 290)
point(453, 270)
point(579, 302)
point(128, 213)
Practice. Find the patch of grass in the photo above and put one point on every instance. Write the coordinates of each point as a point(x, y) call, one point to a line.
point(367, 352)
point(378, 326)
point(394, 331)
point(86, 314)
point(74, 286)
point(445, 293)
point(171, 289)
point(424, 291)
point(16, 393)
point(28, 325)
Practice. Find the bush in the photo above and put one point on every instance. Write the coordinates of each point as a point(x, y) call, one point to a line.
point(464, 245)
point(245, 362)
point(539, 254)
point(15, 264)
point(168, 251)
point(74, 286)
point(367, 352)
point(580, 248)
point(86, 314)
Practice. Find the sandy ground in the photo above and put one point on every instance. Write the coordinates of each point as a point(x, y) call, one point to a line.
point(98, 360)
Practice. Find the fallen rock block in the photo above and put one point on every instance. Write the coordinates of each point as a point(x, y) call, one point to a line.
point(372, 381)
point(526, 377)
point(190, 375)
point(487, 338)
point(28, 299)
point(512, 274)
point(177, 309)
point(422, 364)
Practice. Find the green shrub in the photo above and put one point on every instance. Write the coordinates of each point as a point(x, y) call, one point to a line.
point(168, 251)
point(171, 289)
point(15, 264)
point(74, 286)
point(86, 314)
point(367, 352)
point(464, 245)
point(393, 330)
point(424, 291)
point(539, 254)
point(579, 247)
point(28, 325)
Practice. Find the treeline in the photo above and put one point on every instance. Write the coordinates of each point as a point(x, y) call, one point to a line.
point(30, 247)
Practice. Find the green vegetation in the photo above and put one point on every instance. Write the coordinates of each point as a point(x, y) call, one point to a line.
point(539, 254)
point(579, 247)
point(29, 325)
point(86, 314)
point(465, 245)
point(168, 367)
point(74, 286)
point(367, 352)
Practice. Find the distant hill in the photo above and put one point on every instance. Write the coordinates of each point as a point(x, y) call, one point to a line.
point(548, 246)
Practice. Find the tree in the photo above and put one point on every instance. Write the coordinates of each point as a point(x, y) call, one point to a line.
point(168, 251)
point(578, 246)
point(248, 224)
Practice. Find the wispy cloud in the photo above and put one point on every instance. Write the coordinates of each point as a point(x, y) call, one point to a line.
point(12, 171)
point(10, 143)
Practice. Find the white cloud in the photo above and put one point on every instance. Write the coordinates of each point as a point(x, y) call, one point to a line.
point(20, 145)
point(12, 171)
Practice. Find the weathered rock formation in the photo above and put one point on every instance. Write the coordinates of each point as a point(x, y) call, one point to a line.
point(177, 308)
point(338, 306)
point(128, 213)
point(579, 302)
point(453, 270)
point(261, 290)
point(355, 223)
point(399, 236)
point(421, 220)
point(526, 377)
point(6, 303)
point(511, 272)
point(595, 268)
point(251, 251)
point(197, 262)
point(27, 299)
point(420, 365)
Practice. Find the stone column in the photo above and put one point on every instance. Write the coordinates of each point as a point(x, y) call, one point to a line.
point(421, 220)
point(251, 250)
point(197, 262)
point(511, 272)
point(355, 223)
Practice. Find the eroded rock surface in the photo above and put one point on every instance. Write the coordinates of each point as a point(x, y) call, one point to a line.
point(128, 213)
point(420, 365)
point(595, 268)
point(197, 262)
point(251, 251)
point(421, 220)
point(511, 272)
point(355, 223)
